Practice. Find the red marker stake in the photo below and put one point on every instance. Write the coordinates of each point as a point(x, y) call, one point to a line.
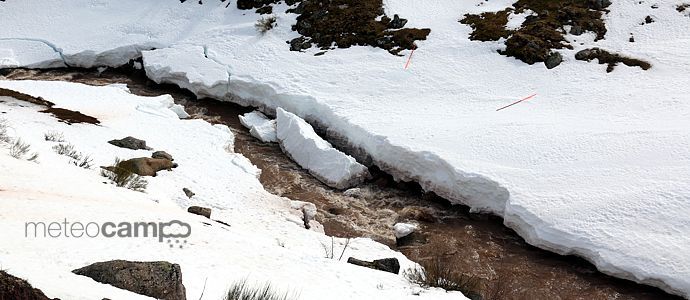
point(523, 99)
point(410, 58)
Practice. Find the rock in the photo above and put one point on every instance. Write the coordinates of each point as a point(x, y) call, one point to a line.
point(198, 210)
point(576, 30)
point(397, 22)
point(130, 143)
point(163, 155)
point(299, 44)
point(16, 288)
point(586, 54)
point(648, 20)
point(188, 192)
point(600, 4)
point(553, 60)
point(159, 279)
point(387, 264)
point(144, 166)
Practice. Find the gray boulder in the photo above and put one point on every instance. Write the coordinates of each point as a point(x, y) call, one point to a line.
point(188, 192)
point(397, 22)
point(387, 264)
point(159, 279)
point(553, 60)
point(130, 143)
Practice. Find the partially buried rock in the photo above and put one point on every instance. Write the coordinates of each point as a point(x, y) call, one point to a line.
point(163, 155)
point(130, 143)
point(387, 264)
point(198, 210)
point(188, 192)
point(159, 279)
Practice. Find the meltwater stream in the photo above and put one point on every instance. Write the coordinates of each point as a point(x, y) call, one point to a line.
point(475, 244)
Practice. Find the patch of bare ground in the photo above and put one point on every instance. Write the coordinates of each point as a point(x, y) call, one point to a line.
point(64, 115)
point(475, 245)
point(343, 24)
point(543, 31)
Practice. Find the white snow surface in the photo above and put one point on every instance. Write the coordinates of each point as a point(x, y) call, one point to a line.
point(299, 141)
point(261, 242)
point(597, 164)
point(260, 126)
point(403, 229)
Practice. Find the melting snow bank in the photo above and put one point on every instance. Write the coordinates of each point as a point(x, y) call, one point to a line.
point(596, 165)
point(260, 126)
point(299, 141)
point(262, 239)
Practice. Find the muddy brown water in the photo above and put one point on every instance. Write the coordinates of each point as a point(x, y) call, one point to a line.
point(474, 244)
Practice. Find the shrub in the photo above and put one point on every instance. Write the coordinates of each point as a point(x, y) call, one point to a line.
point(265, 24)
point(54, 136)
point(66, 150)
point(82, 161)
point(124, 177)
point(76, 158)
point(441, 274)
point(241, 291)
point(19, 149)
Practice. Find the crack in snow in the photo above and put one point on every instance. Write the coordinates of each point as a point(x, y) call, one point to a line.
point(54, 47)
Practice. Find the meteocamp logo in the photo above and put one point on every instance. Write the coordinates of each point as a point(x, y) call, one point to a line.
point(174, 232)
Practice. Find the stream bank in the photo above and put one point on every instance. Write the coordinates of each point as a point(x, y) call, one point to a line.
point(476, 244)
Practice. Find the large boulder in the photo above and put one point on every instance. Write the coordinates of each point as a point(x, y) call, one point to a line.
point(159, 279)
point(387, 264)
point(16, 288)
point(130, 143)
point(144, 166)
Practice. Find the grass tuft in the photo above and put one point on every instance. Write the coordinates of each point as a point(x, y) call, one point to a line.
point(265, 24)
point(441, 274)
point(240, 290)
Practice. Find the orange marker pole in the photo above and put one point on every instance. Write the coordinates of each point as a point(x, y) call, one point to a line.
point(523, 99)
point(410, 58)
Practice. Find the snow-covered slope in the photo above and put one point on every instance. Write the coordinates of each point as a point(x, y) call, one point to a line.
point(596, 164)
point(300, 142)
point(261, 240)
